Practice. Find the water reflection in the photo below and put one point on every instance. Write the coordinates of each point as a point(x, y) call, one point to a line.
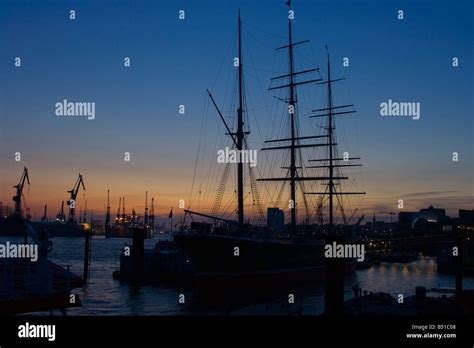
point(105, 296)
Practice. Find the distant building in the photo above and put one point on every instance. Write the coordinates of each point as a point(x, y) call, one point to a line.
point(435, 211)
point(426, 221)
point(275, 219)
point(466, 217)
point(405, 219)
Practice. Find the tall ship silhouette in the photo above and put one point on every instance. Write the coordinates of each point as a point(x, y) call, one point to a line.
point(237, 250)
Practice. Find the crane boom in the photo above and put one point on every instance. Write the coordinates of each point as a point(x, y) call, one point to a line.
point(77, 186)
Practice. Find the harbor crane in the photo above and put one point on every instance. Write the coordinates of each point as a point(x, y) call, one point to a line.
point(72, 201)
point(19, 191)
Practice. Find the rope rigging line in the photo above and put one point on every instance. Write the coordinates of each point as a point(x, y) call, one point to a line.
point(221, 190)
point(256, 195)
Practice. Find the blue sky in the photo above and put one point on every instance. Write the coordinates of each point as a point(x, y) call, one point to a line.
point(173, 62)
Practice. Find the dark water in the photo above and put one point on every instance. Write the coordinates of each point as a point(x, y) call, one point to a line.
point(105, 296)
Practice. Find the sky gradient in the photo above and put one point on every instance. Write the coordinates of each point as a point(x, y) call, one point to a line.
point(174, 61)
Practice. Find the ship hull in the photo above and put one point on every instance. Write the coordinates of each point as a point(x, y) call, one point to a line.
point(230, 258)
point(56, 229)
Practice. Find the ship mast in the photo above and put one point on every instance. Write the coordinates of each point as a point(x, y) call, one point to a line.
point(334, 267)
point(294, 140)
point(291, 109)
point(237, 137)
point(329, 112)
point(330, 142)
point(240, 137)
